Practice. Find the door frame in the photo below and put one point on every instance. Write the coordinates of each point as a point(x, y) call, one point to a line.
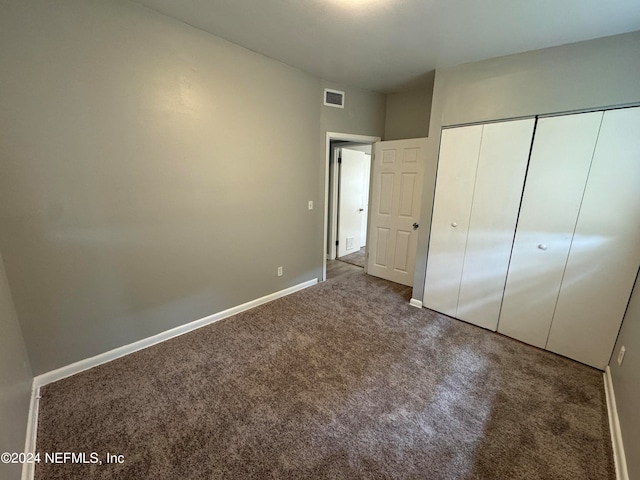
point(346, 137)
point(335, 170)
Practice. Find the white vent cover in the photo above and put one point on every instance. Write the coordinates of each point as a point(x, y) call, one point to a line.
point(333, 98)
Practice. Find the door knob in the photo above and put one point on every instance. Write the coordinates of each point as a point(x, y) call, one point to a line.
point(415, 226)
point(454, 224)
point(542, 246)
point(361, 209)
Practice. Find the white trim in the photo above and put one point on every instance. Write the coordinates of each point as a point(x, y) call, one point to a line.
point(347, 137)
point(331, 90)
point(415, 303)
point(119, 352)
point(28, 469)
point(614, 425)
point(334, 171)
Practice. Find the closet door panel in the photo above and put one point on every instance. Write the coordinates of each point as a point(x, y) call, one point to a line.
point(502, 165)
point(458, 160)
point(560, 160)
point(605, 252)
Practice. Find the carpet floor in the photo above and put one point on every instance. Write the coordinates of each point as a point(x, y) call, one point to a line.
point(343, 380)
point(355, 258)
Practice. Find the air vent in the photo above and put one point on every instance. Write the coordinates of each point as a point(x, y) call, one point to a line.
point(333, 98)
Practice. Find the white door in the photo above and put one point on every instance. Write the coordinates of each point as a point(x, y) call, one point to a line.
point(481, 171)
point(354, 182)
point(558, 170)
point(398, 171)
point(502, 166)
point(605, 252)
point(365, 198)
point(457, 164)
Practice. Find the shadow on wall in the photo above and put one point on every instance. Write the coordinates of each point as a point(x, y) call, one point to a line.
point(408, 111)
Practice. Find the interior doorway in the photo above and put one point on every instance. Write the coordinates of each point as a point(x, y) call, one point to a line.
point(347, 193)
point(349, 199)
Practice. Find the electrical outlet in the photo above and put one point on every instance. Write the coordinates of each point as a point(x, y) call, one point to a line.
point(310, 204)
point(279, 271)
point(621, 355)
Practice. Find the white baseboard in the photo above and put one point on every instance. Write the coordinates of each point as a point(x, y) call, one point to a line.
point(415, 303)
point(614, 425)
point(105, 357)
point(28, 469)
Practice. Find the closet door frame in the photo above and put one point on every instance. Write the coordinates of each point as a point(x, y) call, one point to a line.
point(560, 335)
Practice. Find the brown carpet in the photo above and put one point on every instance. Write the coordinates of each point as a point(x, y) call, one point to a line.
point(356, 258)
point(343, 380)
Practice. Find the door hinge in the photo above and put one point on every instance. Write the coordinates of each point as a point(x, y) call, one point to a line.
point(337, 242)
point(339, 159)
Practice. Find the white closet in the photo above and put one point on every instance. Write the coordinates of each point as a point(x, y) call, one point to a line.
point(480, 176)
point(576, 250)
point(605, 251)
point(558, 171)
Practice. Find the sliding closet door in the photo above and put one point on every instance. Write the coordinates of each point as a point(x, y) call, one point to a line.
point(496, 199)
point(457, 163)
point(560, 161)
point(605, 253)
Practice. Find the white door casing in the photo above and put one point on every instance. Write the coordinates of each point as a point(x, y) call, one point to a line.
point(365, 198)
point(351, 207)
point(398, 174)
point(328, 215)
point(332, 204)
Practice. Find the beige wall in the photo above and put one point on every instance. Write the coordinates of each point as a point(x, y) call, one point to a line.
point(585, 75)
point(151, 174)
point(626, 381)
point(15, 380)
point(408, 113)
point(363, 112)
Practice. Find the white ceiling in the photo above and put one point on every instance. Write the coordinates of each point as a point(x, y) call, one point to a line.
point(386, 45)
